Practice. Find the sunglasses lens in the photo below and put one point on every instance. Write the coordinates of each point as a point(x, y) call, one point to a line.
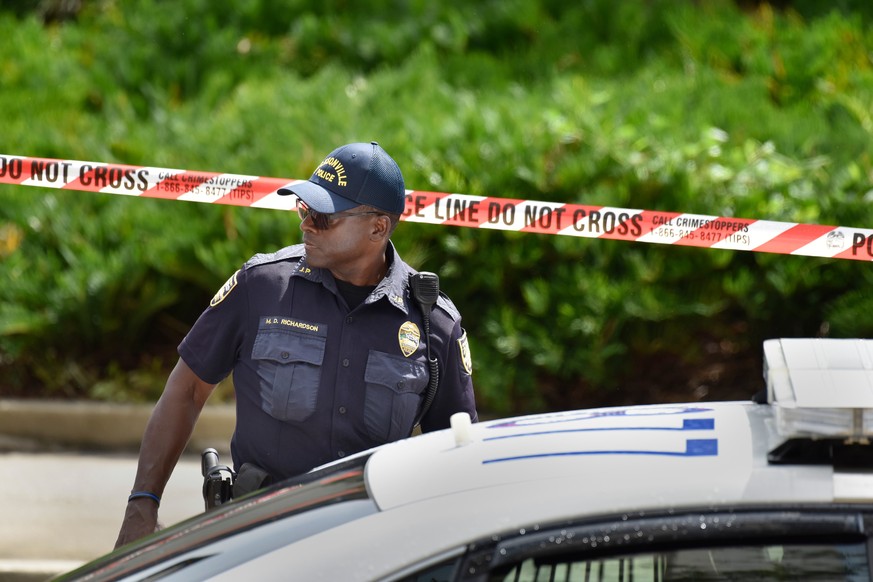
point(319, 220)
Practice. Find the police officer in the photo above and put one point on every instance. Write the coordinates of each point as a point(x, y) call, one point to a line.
point(324, 339)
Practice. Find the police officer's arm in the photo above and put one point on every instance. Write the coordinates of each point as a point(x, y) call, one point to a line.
point(167, 433)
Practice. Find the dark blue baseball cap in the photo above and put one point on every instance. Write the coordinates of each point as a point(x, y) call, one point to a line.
point(352, 175)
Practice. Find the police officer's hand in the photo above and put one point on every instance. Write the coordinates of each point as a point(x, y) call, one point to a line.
point(140, 520)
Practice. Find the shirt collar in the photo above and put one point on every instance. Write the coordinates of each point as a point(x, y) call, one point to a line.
point(395, 283)
point(393, 287)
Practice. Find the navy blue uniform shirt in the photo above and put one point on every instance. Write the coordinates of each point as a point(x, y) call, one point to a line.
point(316, 381)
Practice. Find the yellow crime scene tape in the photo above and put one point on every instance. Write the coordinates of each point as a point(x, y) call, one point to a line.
point(644, 226)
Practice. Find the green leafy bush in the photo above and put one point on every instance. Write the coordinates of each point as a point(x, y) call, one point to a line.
point(668, 105)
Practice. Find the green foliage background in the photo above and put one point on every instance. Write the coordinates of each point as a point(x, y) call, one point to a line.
point(715, 107)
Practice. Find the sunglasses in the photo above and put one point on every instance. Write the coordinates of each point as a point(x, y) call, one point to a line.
point(324, 220)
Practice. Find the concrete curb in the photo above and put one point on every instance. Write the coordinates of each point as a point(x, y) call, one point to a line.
point(29, 425)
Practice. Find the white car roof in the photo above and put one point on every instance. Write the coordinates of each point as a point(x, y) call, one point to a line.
point(616, 459)
point(627, 458)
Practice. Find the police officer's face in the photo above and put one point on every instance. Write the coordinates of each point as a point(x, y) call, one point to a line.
point(347, 238)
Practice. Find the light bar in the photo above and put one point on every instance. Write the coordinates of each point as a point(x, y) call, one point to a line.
point(821, 388)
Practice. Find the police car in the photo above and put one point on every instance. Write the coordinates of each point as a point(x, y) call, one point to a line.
point(776, 490)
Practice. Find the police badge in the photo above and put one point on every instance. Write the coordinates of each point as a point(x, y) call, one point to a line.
point(408, 336)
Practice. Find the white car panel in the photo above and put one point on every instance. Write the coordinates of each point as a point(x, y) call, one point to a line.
point(436, 497)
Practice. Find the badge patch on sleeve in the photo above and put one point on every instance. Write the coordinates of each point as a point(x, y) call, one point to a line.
point(408, 336)
point(466, 358)
point(224, 291)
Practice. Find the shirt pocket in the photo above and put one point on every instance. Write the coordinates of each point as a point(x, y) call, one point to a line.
point(289, 371)
point(394, 387)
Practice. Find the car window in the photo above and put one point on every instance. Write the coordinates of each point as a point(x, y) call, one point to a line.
point(815, 544)
point(819, 562)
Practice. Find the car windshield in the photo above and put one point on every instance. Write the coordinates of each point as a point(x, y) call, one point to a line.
point(301, 507)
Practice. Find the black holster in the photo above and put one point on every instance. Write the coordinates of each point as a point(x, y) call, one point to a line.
point(250, 478)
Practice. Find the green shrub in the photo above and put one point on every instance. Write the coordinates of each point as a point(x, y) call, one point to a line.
point(665, 105)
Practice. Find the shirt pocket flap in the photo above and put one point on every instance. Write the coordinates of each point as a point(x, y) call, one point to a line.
point(285, 346)
point(397, 373)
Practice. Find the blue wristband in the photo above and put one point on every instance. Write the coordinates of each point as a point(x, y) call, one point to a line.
point(138, 494)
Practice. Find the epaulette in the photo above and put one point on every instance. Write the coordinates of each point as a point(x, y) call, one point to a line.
point(288, 253)
point(447, 305)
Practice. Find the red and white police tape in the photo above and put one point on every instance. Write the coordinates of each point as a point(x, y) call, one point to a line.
point(647, 226)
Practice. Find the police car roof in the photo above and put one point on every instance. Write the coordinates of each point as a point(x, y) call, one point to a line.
point(669, 455)
point(603, 460)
